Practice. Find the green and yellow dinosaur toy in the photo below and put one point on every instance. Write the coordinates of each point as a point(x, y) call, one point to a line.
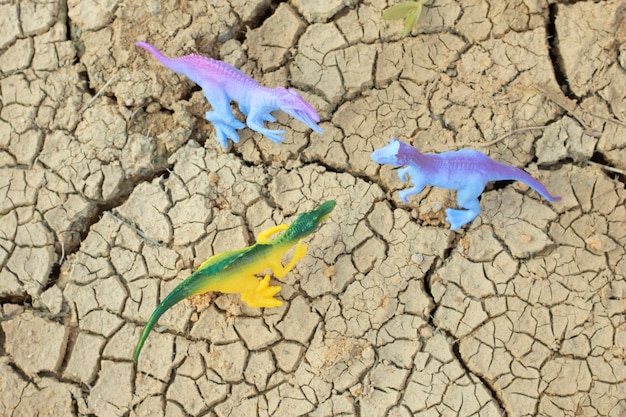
point(235, 271)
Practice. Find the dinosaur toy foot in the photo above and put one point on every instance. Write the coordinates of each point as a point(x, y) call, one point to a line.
point(263, 295)
point(275, 136)
point(223, 132)
point(225, 129)
point(459, 218)
point(255, 122)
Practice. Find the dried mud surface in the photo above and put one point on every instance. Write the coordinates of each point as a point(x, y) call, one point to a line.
point(108, 200)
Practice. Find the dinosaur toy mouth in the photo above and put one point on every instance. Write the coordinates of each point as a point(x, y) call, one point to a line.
point(387, 154)
point(325, 209)
point(305, 117)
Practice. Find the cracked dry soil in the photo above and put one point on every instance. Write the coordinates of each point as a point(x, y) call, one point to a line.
point(108, 201)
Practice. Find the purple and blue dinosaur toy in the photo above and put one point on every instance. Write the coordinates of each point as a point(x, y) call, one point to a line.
point(467, 171)
point(222, 83)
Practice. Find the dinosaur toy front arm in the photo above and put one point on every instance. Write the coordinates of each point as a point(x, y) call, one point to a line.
point(222, 83)
point(235, 271)
point(467, 171)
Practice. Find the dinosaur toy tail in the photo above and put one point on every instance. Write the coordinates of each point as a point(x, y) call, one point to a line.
point(522, 176)
point(178, 294)
point(168, 62)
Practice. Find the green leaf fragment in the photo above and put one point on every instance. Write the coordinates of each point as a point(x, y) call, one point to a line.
point(400, 11)
point(410, 21)
point(410, 11)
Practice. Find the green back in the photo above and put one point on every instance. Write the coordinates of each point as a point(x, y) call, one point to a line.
point(217, 263)
point(305, 224)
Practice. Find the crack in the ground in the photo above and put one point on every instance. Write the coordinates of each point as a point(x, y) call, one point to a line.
point(258, 20)
point(99, 211)
point(485, 383)
point(560, 73)
point(269, 198)
point(455, 345)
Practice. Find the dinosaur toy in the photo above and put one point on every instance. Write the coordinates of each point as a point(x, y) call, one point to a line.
point(234, 271)
point(467, 171)
point(222, 83)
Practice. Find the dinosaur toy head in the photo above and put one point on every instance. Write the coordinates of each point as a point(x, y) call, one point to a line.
point(295, 106)
point(388, 154)
point(307, 223)
point(397, 153)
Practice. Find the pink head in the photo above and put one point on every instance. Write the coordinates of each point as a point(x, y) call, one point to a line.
point(295, 106)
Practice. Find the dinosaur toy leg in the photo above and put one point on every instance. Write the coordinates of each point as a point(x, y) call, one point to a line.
point(253, 292)
point(261, 117)
point(223, 132)
point(263, 295)
point(404, 194)
point(255, 122)
point(417, 187)
point(221, 116)
point(299, 253)
point(269, 118)
point(467, 198)
point(403, 172)
point(264, 236)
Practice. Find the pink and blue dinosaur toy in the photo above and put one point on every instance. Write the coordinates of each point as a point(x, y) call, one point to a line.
point(467, 171)
point(222, 83)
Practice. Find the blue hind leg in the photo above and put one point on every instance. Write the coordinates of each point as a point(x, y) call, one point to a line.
point(467, 198)
point(224, 131)
point(221, 116)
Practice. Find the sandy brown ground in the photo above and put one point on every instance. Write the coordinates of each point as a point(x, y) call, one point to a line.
point(107, 202)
